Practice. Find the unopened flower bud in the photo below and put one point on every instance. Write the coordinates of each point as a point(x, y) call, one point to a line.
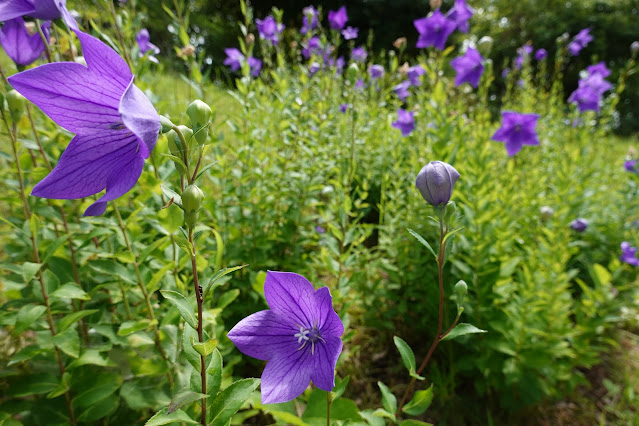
point(563, 39)
point(167, 125)
point(485, 45)
point(579, 224)
point(461, 288)
point(435, 4)
point(353, 72)
point(200, 115)
point(250, 39)
point(16, 103)
point(634, 48)
point(436, 181)
point(192, 198)
point(400, 42)
point(187, 51)
point(546, 212)
point(451, 207)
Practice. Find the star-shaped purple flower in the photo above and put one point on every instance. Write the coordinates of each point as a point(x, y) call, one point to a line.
point(589, 93)
point(580, 41)
point(359, 54)
point(255, 65)
point(434, 30)
point(269, 29)
point(21, 46)
point(630, 166)
point(541, 54)
point(337, 19)
point(299, 336)
point(629, 254)
point(39, 9)
point(517, 130)
point(310, 19)
point(343, 108)
point(376, 71)
point(350, 33)
point(460, 14)
point(405, 121)
point(469, 68)
point(311, 47)
point(600, 69)
point(115, 125)
point(580, 224)
point(414, 74)
point(401, 90)
point(233, 59)
point(144, 42)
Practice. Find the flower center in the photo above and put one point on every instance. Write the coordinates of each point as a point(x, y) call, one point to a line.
point(518, 127)
point(308, 335)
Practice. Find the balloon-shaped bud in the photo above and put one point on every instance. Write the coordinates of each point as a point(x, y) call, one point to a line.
point(167, 125)
point(352, 72)
point(16, 103)
point(634, 48)
point(461, 288)
point(485, 45)
point(200, 115)
point(436, 181)
point(192, 198)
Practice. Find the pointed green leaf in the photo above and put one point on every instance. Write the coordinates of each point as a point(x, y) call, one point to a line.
point(388, 399)
point(53, 247)
point(462, 329)
point(420, 402)
point(414, 423)
point(408, 357)
point(29, 270)
point(163, 418)
point(219, 274)
point(214, 374)
point(27, 316)
point(205, 348)
point(70, 291)
point(184, 397)
point(231, 399)
point(62, 387)
point(68, 341)
point(423, 241)
point(67, 321)
point(130, 327)
point(182, 304)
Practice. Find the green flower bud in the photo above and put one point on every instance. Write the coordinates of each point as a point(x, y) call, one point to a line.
point(451, 207)
point(485, 45)
point(352, 72)
point(192, 198)
point(634, 49)
point(166, 124)
point(200, 115)
point(461, 288)
point(16, 103)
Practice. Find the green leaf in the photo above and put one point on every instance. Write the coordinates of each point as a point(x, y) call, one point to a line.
point(169, 193)
point(62, 387)
point(183, 305)
point(157, 243)
point(130, 327)
point(205, 348)
point(184, 397)
point(152, 285)
point(420, 402)
point(462, 329)
point(27, 316)
point(423, 241)
point(91, 357)
point(70, 291)
point(341, 409)
point(25, 354)
point(414, 423)
point(219, 274)
point(97, 393)
point(227, 297)
point(65, 322)
point(214, 374)
point(231, 399)
point(68, 341)
point(33, 384)
point(29, 271)
point(371, 418)
point(450, 234)
point(53, 247)
point(380, 412)
point(340, 386)
point(99, 410)
point(163, 418)
point(110, 268)
point(34, 227)
point(219, 251)
point(408, 357)
point(388, 399)
point(184, 244)
point(287, 418)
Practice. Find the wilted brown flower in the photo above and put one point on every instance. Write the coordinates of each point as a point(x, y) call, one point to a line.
point(399, 42)
point(187, 51)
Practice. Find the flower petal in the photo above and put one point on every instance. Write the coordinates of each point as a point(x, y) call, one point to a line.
point(286, 377)
point(10, 9)
point(71, 96)
point(291, 296)
point(139, 116)
point(328, 321)
point(263, 335)
point(105, 62)
point(324, 361)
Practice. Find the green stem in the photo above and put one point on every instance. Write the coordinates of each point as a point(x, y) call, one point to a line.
point(200, 331)
point(328, 408)
point(118, 32)
point(47, 49)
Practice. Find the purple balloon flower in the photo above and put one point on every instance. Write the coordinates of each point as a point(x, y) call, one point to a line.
point(319, 229)
point(631, 166)
point(39, 9)
point(337, 19)
point(434, 30)
point(579, 224)
point(469, 68)
point(255, 65)
point(589, 93)
point(313, 68)
point(359, 54)
point(310, 19)
point(233, 59)
point(460, 13)
point(144, 42)
point(414, 74)
point(376, 71)
point(600, 69)
point(350, 33)
point(436, 181)
point(21, 46)
point(524, 53)
point(505, 72)
point(311, 47)
point(343, 108)
point(541, 54)
point(115, 124)
point(517, 130)
point(359, 84)
point(299, 336)
point(629, 254)
point(405, 121)
point(269, 29)
point(401, 90)
point(579, 42)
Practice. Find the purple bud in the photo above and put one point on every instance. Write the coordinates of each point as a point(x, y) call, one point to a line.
point(436, 181)
point(579, 224)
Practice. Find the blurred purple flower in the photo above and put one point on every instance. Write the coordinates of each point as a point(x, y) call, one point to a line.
point(376, 71)
point(343, 108)
point(144, 44)
point(115, 124)
point(469, 68)
point(21, 46)
point(299, 336)
point(629, 254)
point(600, 69)
point(580, 41)
point(517, 130)
point(337, 19)
point(350, 33)
point(541, 54)
point(401, 90)
point(359, 84)
point(524, 52)
point(318, 228)
point(460, 14)
point(434, 30)
point(269, 29)
point(579, 224)
point(405, 121)
point(505, 72)
point(313, 69)
point(311, 47)
point(589, 93)
point(255, 65)
point(39, 9)
point(310, 19)
point(233, 59)
point(414, 74)
point(631, 166)
point(359, 54)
